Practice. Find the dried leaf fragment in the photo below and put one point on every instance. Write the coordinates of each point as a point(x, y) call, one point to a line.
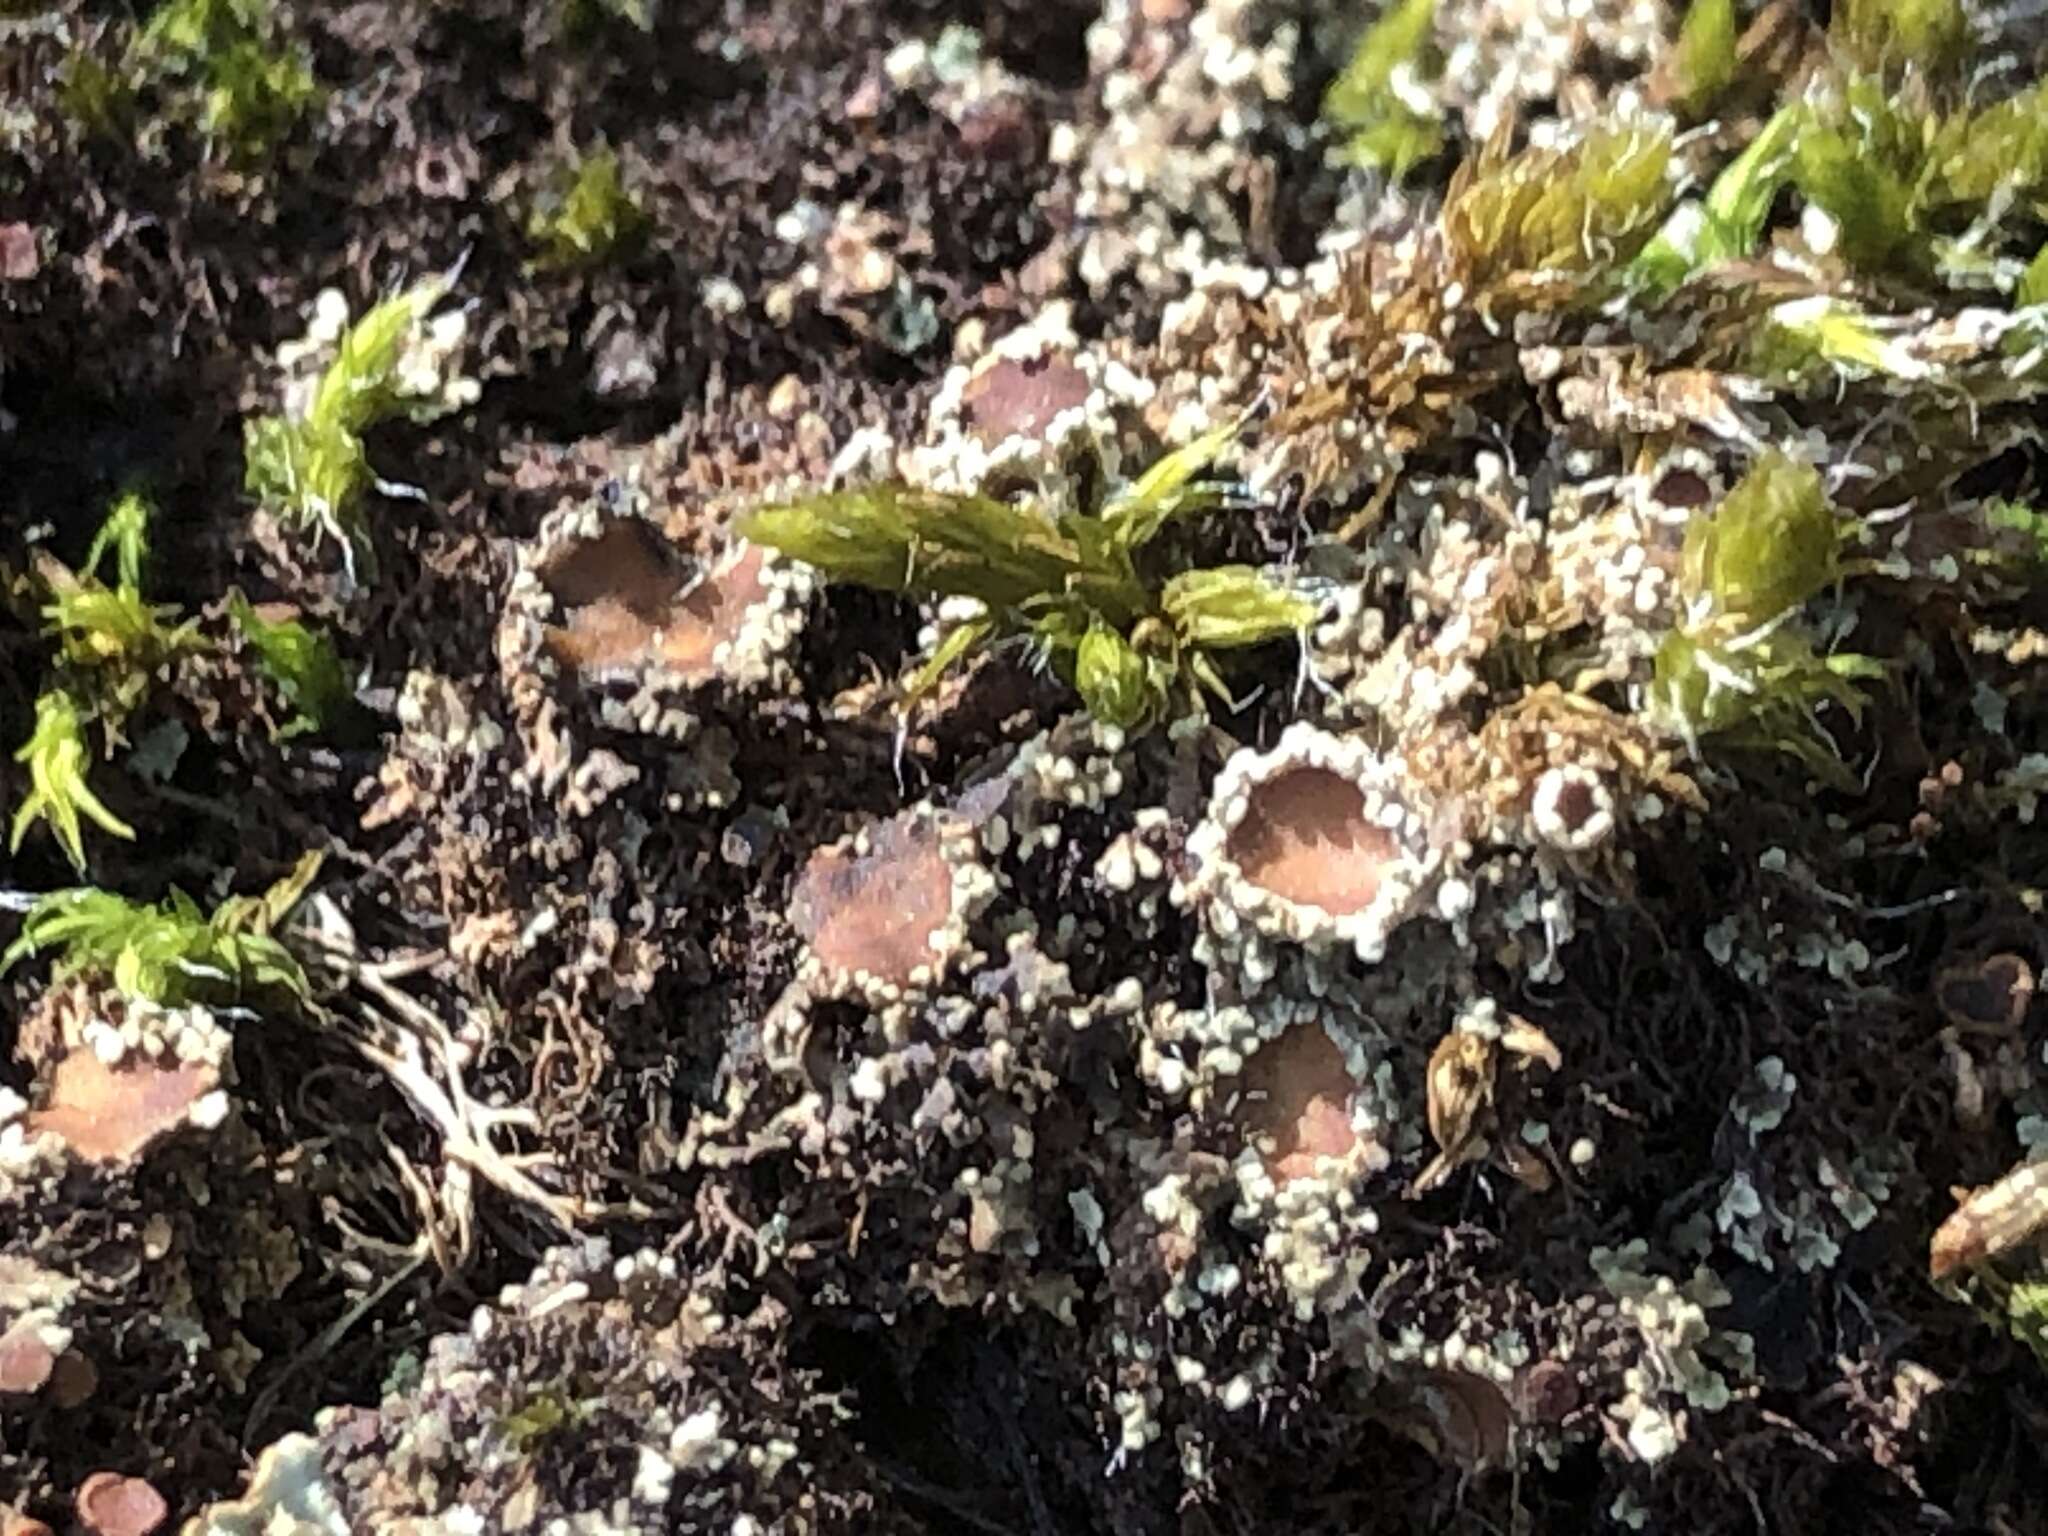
point(1459, 1094)
point(1991, 1221)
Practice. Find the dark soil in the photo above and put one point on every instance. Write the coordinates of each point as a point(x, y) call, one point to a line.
point(164, 284)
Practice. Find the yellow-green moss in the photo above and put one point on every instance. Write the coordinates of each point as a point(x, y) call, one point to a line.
point(1381, 102)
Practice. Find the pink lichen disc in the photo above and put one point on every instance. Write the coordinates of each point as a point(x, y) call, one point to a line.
point(25, 1360)
point(1021, 397)
point(1301, 1097)
point(19, 258)
point(1306, 839)
point(876, 912)
point(109, 1114)
point(112, 1505)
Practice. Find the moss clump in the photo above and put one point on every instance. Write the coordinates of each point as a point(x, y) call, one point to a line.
point(1561, 220)
point(222, 64)
point(308, 467)
point(1740, 666)
point(300, 662)
point(2026, 1316)
point(1133, 645)
point(1902, 180)
point(111, 639)
point(586, 215)
point(1817, 340)
point(1703, 62)
point(1380, 103)
point(2023, 530)
point(1921, 34)
point(56, 757)
point(2033, 284)
point(1728, 222)
point(1773, 543)
point(1859, 158)
point(173, 953)
point(111, 642)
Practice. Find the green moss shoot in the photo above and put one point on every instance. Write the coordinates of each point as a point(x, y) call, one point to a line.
point(1132, 646)
point(171, 954)
point(56, 757)
point(311, 470)
point(2033, 284)
point(1923, 34)
point(248, 88)
point(588, 216)
point(1740, 666)
point(1573, 216)
point(1703, 61)
point(1380, 102)
point(300, 663)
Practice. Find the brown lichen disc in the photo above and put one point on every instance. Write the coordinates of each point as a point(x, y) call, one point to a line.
point(73, 1380)
point(1300, 1095)
point(112, 1505)
point(630, 605)
point(109, 1114)
point(629, 564)
point(1991, 997)
point(711, 616)
point(1577, 804)
point(1683, 489)
point(1548, 1392)
point(1021, 397)
point(876, 912)
point(1306, 839)
point(1463, 1416)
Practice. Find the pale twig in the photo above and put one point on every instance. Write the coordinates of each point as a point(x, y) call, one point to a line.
point(410, 1045)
